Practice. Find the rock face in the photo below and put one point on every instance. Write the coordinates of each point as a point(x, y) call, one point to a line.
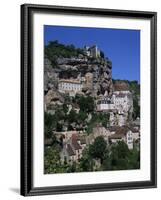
point(96, 71)
point(51, 76)
point(67, 65)
point(53, 98)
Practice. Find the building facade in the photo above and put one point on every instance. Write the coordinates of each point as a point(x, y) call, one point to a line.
point(121, 101)
point(120, 105)
point(105, 104)
point(71, 86)
point(122, 134)
point(92, 51)
point(73, 147)
point(127, 134)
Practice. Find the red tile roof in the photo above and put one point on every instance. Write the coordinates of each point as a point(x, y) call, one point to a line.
point(120, 133)
point(70, 150)
point(75, 143)
point(121, 86)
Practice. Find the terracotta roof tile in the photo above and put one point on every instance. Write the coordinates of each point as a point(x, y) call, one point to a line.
point(121, 86)
point(75, 143)
point(70, 150)
point(120, 133)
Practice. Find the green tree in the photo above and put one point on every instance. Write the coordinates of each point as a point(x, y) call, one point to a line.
point(106, 164)
point(98, 148)
point(53, 164)
point(86, 104)
point(81, 117)
point(121, 158)
point(55, 50)
point(49, 124)
point(102, 54)
point(136, 108)
point(51, 160)
point(86, 162)
point(72, 117)
point(59, 127)
point(134, 159)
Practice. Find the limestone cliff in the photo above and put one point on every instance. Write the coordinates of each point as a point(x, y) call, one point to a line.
point(96, 71)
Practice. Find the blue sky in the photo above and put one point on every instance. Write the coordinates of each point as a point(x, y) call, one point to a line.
point(121, 46)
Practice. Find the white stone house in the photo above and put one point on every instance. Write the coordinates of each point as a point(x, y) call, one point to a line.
point(122, 98)
point(120, 105)
point(71, 86)
point(135, 133)
point(129, 139)
point(121, 119)
point(95, 52)
point(105, 104)
point(122, 134)
point(123, 101)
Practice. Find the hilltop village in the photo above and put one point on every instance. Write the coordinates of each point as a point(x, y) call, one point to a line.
point(85, 109)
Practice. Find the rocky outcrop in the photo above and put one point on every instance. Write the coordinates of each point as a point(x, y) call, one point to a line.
point(51, 76)
point(96, 70)
point(52, 99)
point(93, 72)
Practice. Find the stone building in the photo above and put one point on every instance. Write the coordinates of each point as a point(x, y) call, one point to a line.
point(92, 51)
point(122, 98)
point(122, 134)
point(73, 148)
point(128, 134)
point(88, 83)
point(120, 105)
point(71, 86)
point(105, 104)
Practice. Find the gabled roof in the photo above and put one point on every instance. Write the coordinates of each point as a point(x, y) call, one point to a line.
point(116, 136)
point(70, 150)
point(122, 130)
point(120, 133)
point(121, 86)
point(75, 143)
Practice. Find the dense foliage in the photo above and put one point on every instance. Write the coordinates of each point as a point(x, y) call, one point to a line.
point(52, 163)
point(72, 119)
point(121, 158)
point(86, 104)
point(56, 50)
point(98, 118)
point(78, 113)
point(115, 157)
point(98, 148)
